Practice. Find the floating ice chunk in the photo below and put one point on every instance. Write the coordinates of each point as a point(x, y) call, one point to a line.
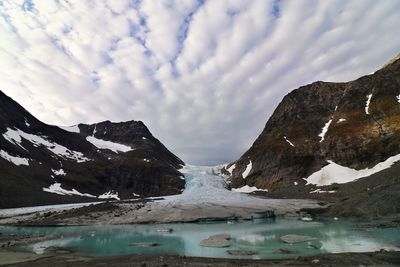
point(103, 144)
point(335, 173)
point(57, 189)
point(109, 194)
point(231, 168)
point(247, 170)
point(248, 189)
point(72, 129)
point(59, 172)
point(324, 130)
point(367, 104)
point(287, 140)
point(13, 159)
point(341, 120)
point(15, 137)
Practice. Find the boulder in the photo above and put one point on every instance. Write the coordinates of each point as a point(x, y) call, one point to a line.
point(291, 239)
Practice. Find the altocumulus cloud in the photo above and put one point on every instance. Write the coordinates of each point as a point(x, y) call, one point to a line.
point(203, 75)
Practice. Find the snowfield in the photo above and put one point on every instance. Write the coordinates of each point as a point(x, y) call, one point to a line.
point(103, 144)
point(335, 173)
point(13, 159)
point(15, 137)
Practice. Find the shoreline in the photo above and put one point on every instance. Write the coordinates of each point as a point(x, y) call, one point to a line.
point(23, 259)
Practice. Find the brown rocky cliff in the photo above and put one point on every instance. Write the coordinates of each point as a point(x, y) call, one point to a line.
point(291, 147)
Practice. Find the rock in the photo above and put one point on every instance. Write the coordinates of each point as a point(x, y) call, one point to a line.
point(242, 252)
point(292, 239)
point(144, 244)
point(315, 261)
point(221, 236)
point(215, 242)
point(311, 246)
point(285, 251)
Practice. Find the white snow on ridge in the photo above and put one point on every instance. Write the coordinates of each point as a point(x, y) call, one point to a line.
point(324, 130)
point(335, 173)
point(57, 189)
point(59, 172)
point(367, 104)
point(16, 160)
point(72, 129)
point(15, 137)
point(247, 170)
point(103, 144)
point(287, 140)
point(248, 189)
point(109, 194)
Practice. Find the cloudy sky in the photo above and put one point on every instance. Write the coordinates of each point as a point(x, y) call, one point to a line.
point(204, 76)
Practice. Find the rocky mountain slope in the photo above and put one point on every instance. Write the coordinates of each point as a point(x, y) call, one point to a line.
point(326, 133)
point(43, 164)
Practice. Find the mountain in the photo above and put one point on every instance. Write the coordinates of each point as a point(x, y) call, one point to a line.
point(327, 134)
point(42, 164)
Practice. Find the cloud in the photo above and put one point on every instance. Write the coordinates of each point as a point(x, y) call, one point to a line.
point(203, 75)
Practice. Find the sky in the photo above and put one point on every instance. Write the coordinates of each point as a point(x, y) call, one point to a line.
point(203, 75)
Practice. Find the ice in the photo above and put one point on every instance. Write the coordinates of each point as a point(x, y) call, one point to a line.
point(335, 173)
point(57, 189)
point(109, 194)
point(287, 140)
point(13, 159)
point(103, 144)
point(59, 172)
point(248, 189)
point(324, 130)
point(15, 137)
point(367, 104)
point(247, 170)
point(72, 129)
point(341, 120)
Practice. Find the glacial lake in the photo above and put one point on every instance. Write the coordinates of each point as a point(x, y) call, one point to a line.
point(261, 236)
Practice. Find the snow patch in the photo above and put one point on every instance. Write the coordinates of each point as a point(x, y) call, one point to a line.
point(247, 170)
point(324, 130)
point(367, 104)
point(13, 159)
point(248, 189)
point(335, 173)
point(72, 129)
point(135, 195)
point(144, 138)
point(398, 99)
point(59, 172)
point(322, 191)
point(231, 168)
point(341, 120)
point(287, 140)
point(146, 160)
point(15, 137)
point(109, 194)
point(57, 189)
point(295, 183)
point(27, 123)
point(103, 144)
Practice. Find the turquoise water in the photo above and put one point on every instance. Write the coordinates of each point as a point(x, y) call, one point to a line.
point(261, 236)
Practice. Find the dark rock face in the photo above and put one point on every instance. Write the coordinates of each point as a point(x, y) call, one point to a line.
point(292, 146)
point(149, 169)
